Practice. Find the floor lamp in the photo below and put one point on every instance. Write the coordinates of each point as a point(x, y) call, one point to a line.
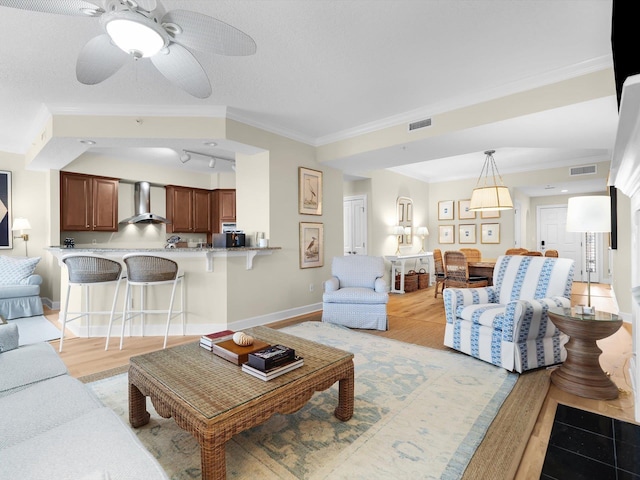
point(589, 214)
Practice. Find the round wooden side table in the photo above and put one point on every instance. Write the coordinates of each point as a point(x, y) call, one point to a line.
point(581, 373)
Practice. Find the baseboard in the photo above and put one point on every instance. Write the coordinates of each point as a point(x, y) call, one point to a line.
point(200, 329)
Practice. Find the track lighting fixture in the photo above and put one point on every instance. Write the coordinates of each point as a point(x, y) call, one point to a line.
point(187, 154)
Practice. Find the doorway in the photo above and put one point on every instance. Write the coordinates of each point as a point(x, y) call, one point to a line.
point(586, 251)
point(355, 225)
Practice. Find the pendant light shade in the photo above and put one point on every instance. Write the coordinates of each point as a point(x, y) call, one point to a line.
point(490, 193)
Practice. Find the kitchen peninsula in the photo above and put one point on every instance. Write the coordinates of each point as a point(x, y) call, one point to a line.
point(208, 274)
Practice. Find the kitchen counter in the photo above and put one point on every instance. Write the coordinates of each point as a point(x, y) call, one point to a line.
point(208, 253)
point(212, 297)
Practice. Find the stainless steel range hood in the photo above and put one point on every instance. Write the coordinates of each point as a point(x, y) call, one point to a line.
point(142, 205)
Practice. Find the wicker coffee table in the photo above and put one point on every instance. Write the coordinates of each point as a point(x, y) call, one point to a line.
point(213, 399)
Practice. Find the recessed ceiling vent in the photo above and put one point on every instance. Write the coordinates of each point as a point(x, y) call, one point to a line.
point(420, 124)
point(584, 170)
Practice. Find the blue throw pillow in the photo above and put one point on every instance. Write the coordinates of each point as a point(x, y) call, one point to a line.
point(8, 337)
point(14, 270)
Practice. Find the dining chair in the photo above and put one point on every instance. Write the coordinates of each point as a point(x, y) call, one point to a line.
point(516, 251)
point(534, 253)
point(551, 253)
point(438, 267)
point(472, 254)
point(457, 272)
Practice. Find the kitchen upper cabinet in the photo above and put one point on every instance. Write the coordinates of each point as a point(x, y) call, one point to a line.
point(88, 203)
point(224, 207)
point(188, 210)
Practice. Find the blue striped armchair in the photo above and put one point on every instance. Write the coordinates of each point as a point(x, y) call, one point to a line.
point(356, 295)
point(507, 324)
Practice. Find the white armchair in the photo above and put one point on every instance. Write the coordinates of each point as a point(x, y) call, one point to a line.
point(356, 295)
point(507, 324)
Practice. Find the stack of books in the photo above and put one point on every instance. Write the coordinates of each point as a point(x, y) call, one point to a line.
point(271, 362)
point(207, 341)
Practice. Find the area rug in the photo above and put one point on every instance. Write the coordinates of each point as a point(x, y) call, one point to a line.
point(419, 413)
point(35, 329)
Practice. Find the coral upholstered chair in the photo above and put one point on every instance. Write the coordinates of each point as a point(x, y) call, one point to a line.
point(507, 324)
point(356, 295)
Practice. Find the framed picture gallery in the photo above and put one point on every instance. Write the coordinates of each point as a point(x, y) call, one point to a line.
point(445, 210)
point(490, 214)
point(490, 233)
point(467, 233)
point(463, 210)
point(446, 234)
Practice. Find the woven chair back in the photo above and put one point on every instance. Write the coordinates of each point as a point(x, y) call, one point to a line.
point(149, 269)
point(90, 269)
point(456, 268)
point(457, 271)
point(438, 265)
point(551, 253)
point(516, 251)
point(472, 254)
point(534, 254)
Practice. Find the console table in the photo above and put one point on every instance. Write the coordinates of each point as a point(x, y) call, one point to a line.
point(398, 266)
point(581, 373)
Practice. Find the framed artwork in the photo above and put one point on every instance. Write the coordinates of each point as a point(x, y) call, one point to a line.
point(309, 191)
point(446, 234)
point(467, 233)
point(311, 244)
point(490, 214)
point(490, 233)
point(463, 210)
point(6, 236)
point(445, 210)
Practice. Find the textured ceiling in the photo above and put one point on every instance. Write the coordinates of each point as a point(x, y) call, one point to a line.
point(328, 69)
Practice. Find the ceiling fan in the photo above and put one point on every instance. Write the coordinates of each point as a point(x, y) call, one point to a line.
point(143, 29)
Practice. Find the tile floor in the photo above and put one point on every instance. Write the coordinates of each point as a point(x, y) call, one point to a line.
point(585, 445)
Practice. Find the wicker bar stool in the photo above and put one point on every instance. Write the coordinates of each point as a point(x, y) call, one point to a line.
point(85, 271)
point(146, 271)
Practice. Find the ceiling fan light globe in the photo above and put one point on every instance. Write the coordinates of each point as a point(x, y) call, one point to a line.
point(136, 36)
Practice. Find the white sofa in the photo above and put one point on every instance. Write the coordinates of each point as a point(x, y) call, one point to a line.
point(19, 287)
point(507, 324)
point(53, 426)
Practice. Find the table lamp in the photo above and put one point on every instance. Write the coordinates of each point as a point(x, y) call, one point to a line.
point(423, 232)
point(589, 214)
point(22, 224)
point(398, 231)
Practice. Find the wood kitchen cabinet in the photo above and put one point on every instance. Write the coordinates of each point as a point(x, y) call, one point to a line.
point(188, 210)
point(88, 203)
point(224, 207)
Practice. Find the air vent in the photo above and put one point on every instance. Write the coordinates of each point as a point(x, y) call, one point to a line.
point(420, 124)
point(584, 170)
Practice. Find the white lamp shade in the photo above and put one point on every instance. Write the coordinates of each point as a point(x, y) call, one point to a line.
point(589, 214)
point(20, 223)
point(397, 230)
point(422, 231)
point(495, 197)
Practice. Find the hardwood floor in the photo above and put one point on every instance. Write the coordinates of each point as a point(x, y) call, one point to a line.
point(415, 318)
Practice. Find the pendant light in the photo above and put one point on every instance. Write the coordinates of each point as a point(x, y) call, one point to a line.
point(490, 194)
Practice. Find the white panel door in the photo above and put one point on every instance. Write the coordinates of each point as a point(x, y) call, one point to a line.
point(355, 225)
point(553, 235)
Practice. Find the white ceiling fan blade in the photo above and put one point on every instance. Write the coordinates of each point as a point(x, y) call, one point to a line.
point(180, 67)
point(207, 34)
point(98, 60)
point(62, 7)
